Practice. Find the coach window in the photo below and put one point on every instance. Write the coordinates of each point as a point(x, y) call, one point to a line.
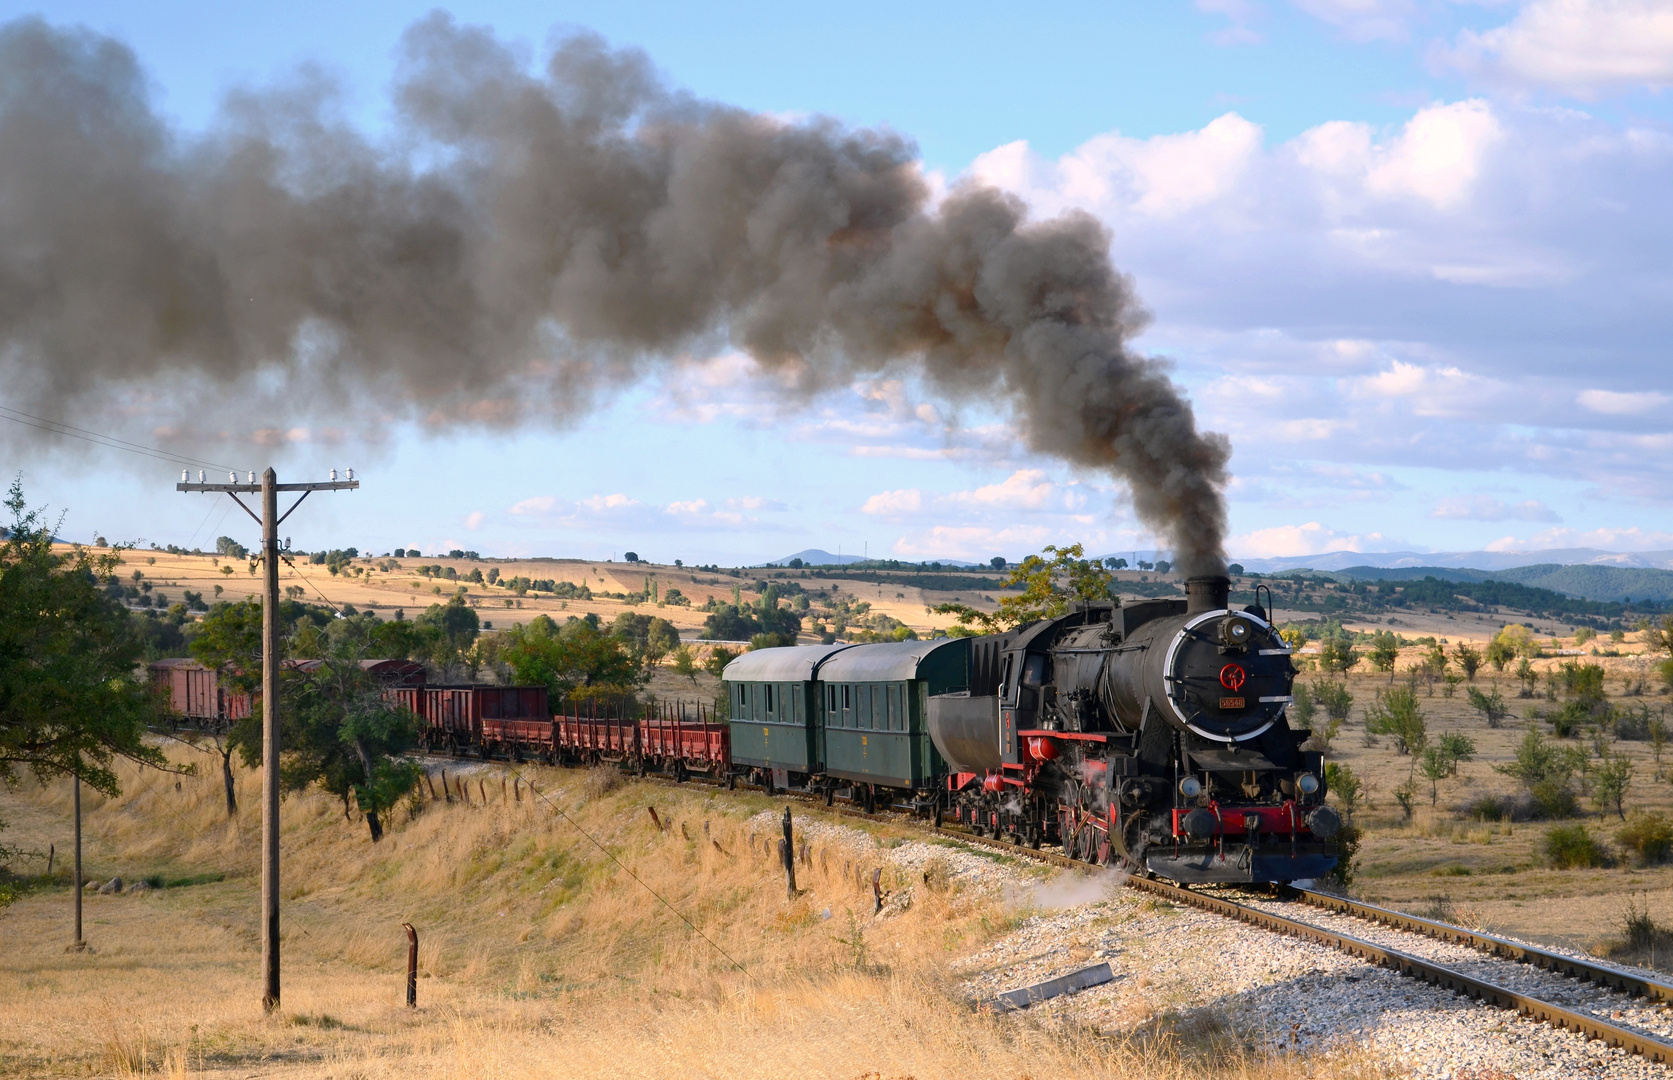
point(894, 710)
point(769, 701)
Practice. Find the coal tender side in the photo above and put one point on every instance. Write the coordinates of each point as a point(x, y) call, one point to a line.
point(1152, 735)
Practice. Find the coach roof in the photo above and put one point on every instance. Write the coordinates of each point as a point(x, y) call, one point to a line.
point(890, 661)
point(797, 663)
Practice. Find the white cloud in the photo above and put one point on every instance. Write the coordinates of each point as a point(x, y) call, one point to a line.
point(1581, 47)
point(474, 519)
point(539, 504)
point(1487, 508)
point(1617, 403)
point(1309, 539)
point(1159, 177)
point(1364, 20)
point(1439, 156)
point(1026, 491)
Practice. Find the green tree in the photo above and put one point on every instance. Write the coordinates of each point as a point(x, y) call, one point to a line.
point(452, 627)
point(1546, 771)
point(685, 663)
point(1048, 584)
point(1458, 747)
point(1334, 698)
point(345, 735)
point(1490, 705)
point(718, 658)
point(228, 641)
point(1396, 713)
point(1385, 650)
point(1336, 654)
point(71, 696)
point(575, 658)
point(1527, 676)
point(647, 637)
point(1469, 659)
point(1434, 766)
point(1340, 781)
point(1611, 781)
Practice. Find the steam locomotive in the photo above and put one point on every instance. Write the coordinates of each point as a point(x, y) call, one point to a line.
point(1152, 735)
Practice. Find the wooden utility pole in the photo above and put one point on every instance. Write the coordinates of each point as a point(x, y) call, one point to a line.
point(269, 521)
point(80, 944)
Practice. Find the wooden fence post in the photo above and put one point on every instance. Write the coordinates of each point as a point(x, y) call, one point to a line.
point(787, 851)
point(412, 966)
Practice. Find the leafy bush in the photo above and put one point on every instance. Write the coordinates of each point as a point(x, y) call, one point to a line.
point(1571, 846)
point(1340, 781)
point(1553, 798)
point(1490, 705)
point(1633, 725)
point(1649, 836)
point(1497, 808)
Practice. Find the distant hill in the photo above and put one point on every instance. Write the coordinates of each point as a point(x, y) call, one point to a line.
point(1617, 583)
point(1459, 560)
point(1609, 584)
point(1410, 573)
point(821, 557)
point(816, 557)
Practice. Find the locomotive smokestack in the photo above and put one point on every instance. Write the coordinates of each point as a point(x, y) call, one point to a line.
point(526, 243)
point(1211, 593)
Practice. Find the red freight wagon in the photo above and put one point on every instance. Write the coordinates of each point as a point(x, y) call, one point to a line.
point(515, 720)
point(596, 739)
point(687, 745)
point(452, 715)
point(193, 690)
point(196, 692)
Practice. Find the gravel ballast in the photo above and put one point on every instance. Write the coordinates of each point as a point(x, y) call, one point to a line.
point(1196, 971)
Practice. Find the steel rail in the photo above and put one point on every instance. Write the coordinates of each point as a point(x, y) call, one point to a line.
point(1495, 946)
point(1592, 1027)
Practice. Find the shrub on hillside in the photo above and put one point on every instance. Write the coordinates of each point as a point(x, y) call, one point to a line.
point(1571, 846)
point(1649, 836)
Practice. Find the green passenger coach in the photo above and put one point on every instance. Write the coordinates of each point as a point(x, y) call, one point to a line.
point(775, 711)
point(874, 698)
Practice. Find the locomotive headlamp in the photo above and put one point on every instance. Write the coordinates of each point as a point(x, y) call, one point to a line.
point(1190, 787)
point(1237, 632)
point(1307, 782)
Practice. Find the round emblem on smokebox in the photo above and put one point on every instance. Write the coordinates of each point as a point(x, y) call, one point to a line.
point(1232, 677)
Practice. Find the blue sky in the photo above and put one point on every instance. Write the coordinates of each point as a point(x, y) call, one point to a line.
point(1411, 256)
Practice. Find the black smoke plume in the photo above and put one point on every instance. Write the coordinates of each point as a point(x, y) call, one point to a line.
point(522, 244)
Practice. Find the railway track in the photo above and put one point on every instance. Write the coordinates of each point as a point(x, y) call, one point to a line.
point(1427, 970)
point(1260, 914)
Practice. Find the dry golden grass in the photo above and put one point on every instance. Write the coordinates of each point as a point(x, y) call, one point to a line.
point(540, 955)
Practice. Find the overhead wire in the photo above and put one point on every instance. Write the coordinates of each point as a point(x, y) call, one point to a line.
point(58, 427)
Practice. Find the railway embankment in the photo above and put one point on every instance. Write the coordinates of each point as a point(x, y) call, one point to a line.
point(571, 932)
